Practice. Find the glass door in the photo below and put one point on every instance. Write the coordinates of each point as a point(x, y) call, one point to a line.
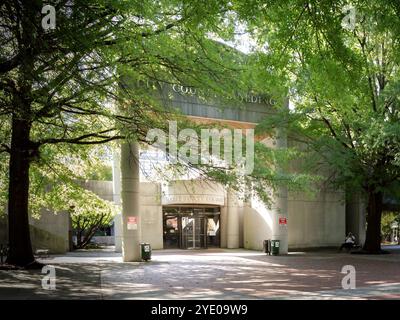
point(191, 227)
point(201, 225)
point(188, 233)
point(194, 234)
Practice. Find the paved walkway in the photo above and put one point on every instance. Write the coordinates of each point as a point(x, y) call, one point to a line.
point(209, 274)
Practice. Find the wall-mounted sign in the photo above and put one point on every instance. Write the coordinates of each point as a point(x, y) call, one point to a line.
point(193, 198)
point(132, 223)
point(282, 221)
point(192, 91)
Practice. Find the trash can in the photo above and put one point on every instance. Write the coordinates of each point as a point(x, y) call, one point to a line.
point(275, 247)
point(267, 246)
point(145, 250)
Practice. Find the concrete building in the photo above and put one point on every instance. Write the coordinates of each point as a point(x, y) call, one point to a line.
point(191, 213)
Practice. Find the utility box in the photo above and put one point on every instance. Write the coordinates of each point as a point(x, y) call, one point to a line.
point(145, 250)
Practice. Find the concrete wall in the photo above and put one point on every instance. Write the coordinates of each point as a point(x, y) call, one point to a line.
point(316, 222)
point(51, 231)
point(151, 214)
point(257, 224)
point(104, 189)
point(241, 227)
point(193, 192)
point(106, 240)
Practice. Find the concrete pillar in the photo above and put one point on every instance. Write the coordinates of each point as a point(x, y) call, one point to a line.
point(280, 202)
point(117, 200)
point(131, 230)
point(280, 214)
point(223, 222)
point(233, 220)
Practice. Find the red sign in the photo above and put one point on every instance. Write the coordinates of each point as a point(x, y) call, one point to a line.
point(132, 223)
point(283, 221)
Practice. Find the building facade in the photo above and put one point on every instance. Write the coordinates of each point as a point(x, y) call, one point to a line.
point(196, 214)
point(192, 213)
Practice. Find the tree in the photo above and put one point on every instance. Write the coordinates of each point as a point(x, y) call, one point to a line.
point(59, 86)
point(88, 216)
point(339, 61)
point(388, 218)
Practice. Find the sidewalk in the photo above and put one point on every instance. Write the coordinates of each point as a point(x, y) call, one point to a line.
point(209, 274)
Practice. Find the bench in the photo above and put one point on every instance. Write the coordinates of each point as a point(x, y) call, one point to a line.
point(42, 253)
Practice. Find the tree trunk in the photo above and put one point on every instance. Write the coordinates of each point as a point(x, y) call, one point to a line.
point(88, 234)
point(78, 238)
point(20, 253)
point(374, 214)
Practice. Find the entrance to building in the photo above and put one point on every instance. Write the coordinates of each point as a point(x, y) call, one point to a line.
point(191, 227)
point(194, 232)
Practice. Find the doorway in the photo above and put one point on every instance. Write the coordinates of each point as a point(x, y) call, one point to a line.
point(191, 227)
point(194, 232)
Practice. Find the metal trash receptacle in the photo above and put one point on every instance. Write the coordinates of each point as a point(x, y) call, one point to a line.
point(275, 247)
point(145, 250)
point(267, 246)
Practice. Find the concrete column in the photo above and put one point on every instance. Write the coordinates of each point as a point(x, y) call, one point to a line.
point(117, 200)
point(280, 202)
point(280, 212)
point(131, 230)
point(223, 222)
point(233, 220)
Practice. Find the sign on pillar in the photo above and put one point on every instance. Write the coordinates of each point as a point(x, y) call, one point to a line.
point(132, 223)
